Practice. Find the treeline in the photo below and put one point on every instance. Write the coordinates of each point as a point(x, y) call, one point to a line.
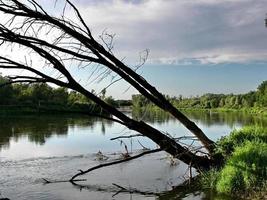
point(37, 93)
point(41, 96)
point(253, 99)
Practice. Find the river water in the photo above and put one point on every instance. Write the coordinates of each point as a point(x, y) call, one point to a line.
point(56, 147)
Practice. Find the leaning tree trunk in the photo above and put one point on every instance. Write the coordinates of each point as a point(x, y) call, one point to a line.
point(165, 142)
point(86, 49)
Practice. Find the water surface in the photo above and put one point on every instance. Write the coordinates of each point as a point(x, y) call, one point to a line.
point(55, 147)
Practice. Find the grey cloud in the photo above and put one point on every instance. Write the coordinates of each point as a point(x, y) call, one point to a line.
point(181, 29)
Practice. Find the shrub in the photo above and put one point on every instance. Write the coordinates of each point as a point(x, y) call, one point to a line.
point(208, 179)
point(226, 145)
point(245, 170)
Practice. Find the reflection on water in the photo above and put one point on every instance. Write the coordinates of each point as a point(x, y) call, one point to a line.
point(33, 147)
point(231, 119)
point(207, 118)
point(37, 129)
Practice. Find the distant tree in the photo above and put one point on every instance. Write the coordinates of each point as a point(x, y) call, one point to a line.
point(262, 88)
point(139, 101)
point(109, 100)
point(41, 92)
point(60, 95)
point(262, 93)
point(6, 93)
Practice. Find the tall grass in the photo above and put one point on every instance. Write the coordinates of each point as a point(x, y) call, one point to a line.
point(245, 169)
point(226, 145)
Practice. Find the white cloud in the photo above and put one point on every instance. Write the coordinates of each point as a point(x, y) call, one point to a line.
point(219, 30)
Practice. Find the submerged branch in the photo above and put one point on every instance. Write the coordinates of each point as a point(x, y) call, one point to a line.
point(127, 136)
point(113, 163)
point(131, 191)
point(46, 181)
point(117, 189)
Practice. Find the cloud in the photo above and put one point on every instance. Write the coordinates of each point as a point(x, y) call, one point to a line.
point(219, 31)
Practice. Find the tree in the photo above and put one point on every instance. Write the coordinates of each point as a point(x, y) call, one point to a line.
point(60, 95)
point(6, 93)
point(41, 92)
point(71, 41)
point(262, 93)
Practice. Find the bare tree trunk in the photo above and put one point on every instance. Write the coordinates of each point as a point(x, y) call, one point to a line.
point(86, 49)
point(165, 142)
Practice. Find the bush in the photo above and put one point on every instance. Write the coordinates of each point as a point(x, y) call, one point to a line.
point(208, 179)
point(245, 170)
point(226, 145)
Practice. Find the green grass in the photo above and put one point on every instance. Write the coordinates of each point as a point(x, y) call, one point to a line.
point(226, 145)
point(245, 171)
point(249, 110)
point(208, 179)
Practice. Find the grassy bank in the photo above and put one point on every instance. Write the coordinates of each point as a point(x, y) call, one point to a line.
point(252, 110)
point(151, 108)
point(245, 171)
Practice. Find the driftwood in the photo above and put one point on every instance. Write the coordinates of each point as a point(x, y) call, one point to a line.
point(82, 172)
point(129, 158)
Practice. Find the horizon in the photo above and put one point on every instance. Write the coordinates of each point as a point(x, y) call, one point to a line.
point(197, 80)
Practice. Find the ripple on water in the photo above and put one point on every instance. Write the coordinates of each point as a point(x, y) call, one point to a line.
point(23, 178)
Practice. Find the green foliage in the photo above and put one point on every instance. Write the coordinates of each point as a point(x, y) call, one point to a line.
point(231, 180)
point(40, 97)
point(226, 145)
point(40, 92)
point(262, 88)
point(245, 170)
point(208, 179)
point(254, 101)
point(6, 93)
point(60, 95)
point(109, 100)
point(139, 101)
point(262, 91)
point(251, 100)
point(77, 98)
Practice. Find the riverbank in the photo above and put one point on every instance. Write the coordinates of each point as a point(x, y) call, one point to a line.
point(50, 109)
point(252, 110)
point(244, 173)
point(152, 113)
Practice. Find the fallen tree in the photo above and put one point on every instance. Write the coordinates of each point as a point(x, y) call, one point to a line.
point(59, 41)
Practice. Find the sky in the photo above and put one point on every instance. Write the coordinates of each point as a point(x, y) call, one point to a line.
point(195, 46)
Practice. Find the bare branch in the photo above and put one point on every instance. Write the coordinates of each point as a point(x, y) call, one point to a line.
point(6, 63)
point(114, 162)
point(127, 136)
point(80, 18)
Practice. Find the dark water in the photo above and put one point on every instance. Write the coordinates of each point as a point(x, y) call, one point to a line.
point(55, 147)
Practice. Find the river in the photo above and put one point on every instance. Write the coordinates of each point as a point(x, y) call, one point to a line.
point(56, 147)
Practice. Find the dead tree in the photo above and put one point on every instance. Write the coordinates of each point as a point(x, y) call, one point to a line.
point(59, 41)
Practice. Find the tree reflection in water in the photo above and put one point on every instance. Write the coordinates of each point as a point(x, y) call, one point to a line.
point(38, 128)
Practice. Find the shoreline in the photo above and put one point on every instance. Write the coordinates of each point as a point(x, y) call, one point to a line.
point(261, 111)
point(50, 109)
